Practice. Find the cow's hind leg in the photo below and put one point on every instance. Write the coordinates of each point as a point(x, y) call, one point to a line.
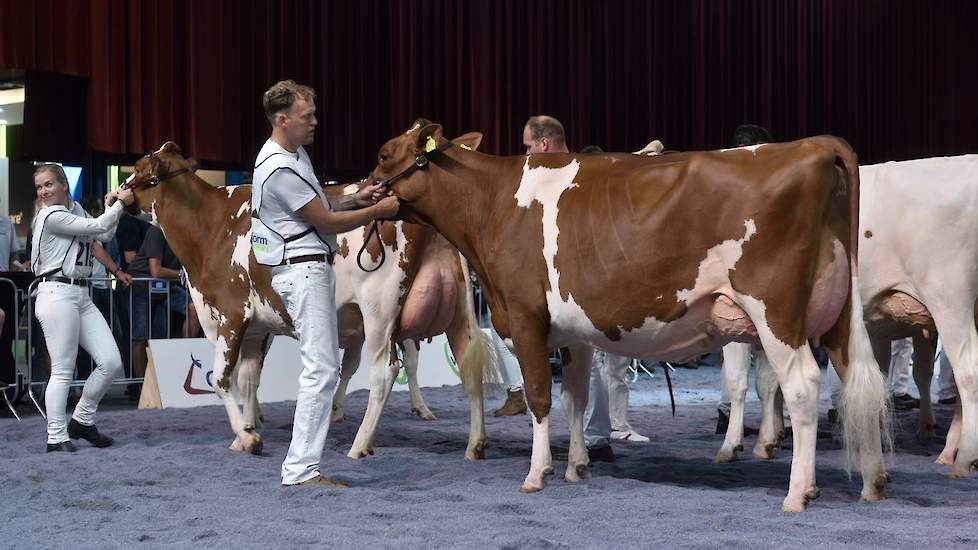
point(383, 371)
point(736, 367)
point(772, 406)
point(956, 325)
point(923, 371)
point(573, 398)
point(798, 375)
point(950, 450)
point(409, 358)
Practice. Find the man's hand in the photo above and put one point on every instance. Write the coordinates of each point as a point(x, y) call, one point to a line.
point(370, 195)
point(388, 207)
point(124, 278)
point(110, 198)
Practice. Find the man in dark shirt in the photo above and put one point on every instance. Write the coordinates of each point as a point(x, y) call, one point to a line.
point(149, 299)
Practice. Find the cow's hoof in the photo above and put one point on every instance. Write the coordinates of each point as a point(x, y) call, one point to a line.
point(960, 471)
point(548, 471)
point(576, 473)
point(423, 413)
point(236, 445)
point(478, 452)
point(877, 490)
point(946, 458)
point(532, 487)
point(337, 416)
point(794, 505)
point(725, 456)
point(256, 447)
point(764, 452)
point(926, 432)
point(357, 454)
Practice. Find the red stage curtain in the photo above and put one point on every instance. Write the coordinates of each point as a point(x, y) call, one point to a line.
point(896, 79)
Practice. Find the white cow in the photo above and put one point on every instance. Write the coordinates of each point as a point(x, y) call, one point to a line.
point(918, 275)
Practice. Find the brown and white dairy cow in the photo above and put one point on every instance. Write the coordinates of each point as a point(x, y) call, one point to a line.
point(209, 229)
point(420, 290)
point(918, 274)
point(650, 257)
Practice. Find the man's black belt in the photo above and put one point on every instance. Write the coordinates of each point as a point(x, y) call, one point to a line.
point(67, 280)
point(309, 258)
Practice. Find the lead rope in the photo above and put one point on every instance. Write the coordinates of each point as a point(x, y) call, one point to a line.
point(374, 230)
point(672, 397)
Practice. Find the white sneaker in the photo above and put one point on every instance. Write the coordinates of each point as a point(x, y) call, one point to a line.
point(629, 436)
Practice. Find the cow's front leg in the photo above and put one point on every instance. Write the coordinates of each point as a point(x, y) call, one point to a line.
point(409, 358)
point(573, 398)
point(227, 352)
point(736, 367)
point(529, 339)
point(248, 375)
point(383, 371)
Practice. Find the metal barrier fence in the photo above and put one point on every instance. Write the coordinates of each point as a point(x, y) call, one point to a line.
point(12, 319)
point(108, 295)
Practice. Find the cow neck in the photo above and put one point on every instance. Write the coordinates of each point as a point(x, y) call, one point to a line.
point(461, 203)
point(185, 210)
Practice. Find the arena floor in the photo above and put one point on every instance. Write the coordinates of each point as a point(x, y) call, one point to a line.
point(170, 482)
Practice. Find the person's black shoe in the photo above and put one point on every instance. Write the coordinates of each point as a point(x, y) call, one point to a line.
point(905, 402)
point(601, 454)
point(948, 400)
point(63, 447)
point(723, 421)
point(91, 434)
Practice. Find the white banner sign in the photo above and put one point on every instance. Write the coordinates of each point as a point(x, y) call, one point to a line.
point(184, 371)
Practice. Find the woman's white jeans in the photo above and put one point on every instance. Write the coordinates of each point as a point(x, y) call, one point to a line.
point(69, 319)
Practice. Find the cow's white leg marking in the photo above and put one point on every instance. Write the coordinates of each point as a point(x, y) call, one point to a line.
point(573, 398)
point(736, 364)
point(798, 374)
point(409, 353)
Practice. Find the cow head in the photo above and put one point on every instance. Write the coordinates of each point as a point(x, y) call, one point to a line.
point(406, 161)
point(152, 173)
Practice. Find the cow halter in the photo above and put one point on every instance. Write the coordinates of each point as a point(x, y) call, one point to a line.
point(420, 162)
point(156, 179)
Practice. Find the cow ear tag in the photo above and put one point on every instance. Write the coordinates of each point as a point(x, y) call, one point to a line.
point(464, 146)
point(430, 145)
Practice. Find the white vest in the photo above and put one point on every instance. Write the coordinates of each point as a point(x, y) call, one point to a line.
point(272, 243)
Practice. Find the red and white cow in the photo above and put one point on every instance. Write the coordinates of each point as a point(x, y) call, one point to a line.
point(918, 275)
point(209, 230)
point(612, 250)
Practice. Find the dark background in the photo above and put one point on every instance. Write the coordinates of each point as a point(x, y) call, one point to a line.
point(897, 79)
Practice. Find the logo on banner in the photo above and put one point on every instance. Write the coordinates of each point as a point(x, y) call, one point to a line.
point(196, 366)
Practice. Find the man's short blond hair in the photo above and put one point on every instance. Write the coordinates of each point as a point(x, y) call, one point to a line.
point(543, 126)
point(282, 95)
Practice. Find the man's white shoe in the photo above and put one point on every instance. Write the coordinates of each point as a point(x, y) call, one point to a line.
point(629, 436)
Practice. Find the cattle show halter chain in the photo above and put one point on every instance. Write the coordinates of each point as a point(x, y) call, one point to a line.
point(420, 163)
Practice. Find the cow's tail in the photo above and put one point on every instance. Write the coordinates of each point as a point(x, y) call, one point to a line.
point(479, 364)
point(865, 407)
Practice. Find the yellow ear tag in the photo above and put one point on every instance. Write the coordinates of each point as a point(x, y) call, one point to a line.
point(430, 145)
point(464, 146)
